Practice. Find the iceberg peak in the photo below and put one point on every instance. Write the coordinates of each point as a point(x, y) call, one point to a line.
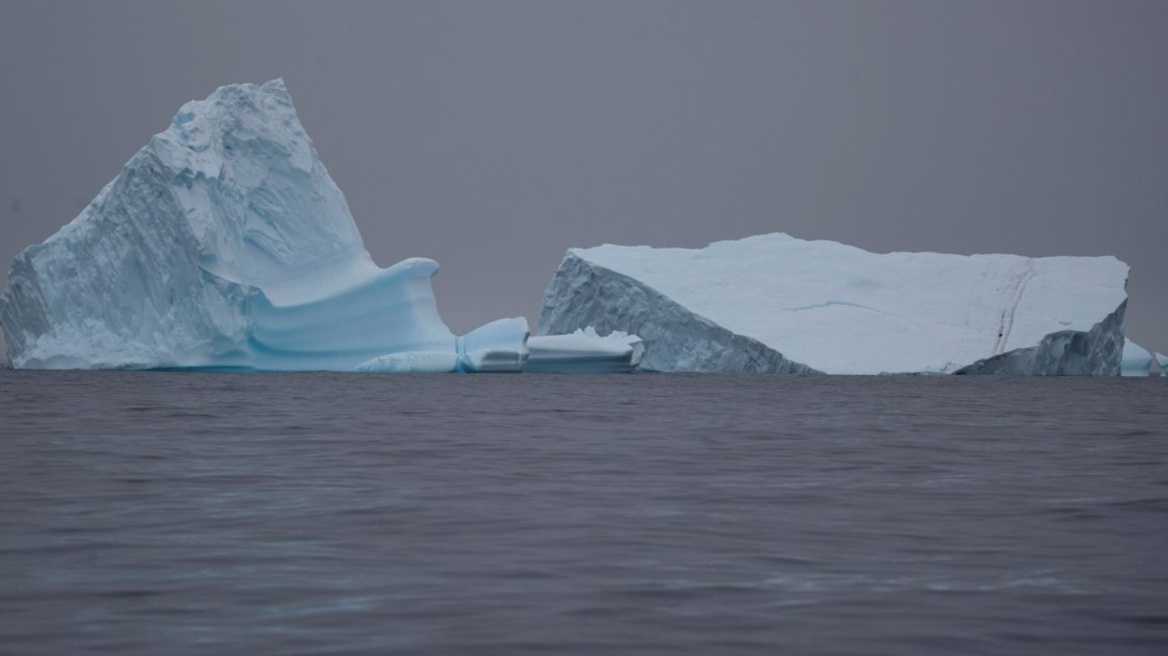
point(224, 243)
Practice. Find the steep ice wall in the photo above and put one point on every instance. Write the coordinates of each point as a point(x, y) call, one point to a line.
point(773, 303)
point(222, 243)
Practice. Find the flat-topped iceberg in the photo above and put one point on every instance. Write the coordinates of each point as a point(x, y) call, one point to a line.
point(224, 243)
point(774, 303)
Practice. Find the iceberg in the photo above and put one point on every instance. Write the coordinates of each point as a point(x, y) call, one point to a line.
point(224, 244)
point(584, 352)
point(777, 304)
point(1137, 360)
point(1162, 361)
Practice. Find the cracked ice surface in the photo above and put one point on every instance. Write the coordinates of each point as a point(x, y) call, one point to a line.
point(774, 303)
point(224, 243)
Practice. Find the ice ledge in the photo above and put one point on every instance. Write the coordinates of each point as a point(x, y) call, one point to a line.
point(585, 352)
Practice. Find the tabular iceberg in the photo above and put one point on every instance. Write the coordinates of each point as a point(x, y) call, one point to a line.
point(774, 303)
point(224, 243)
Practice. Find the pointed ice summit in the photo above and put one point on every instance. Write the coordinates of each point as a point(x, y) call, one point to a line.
point(224, 243)
point(777, 304)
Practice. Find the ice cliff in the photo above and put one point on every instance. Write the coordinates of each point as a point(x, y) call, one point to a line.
point(774, 303)
point(224, 243)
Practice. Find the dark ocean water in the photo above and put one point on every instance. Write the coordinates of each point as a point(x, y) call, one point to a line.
point(158, 513)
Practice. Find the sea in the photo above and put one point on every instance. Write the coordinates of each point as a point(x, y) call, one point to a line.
point(229, 513)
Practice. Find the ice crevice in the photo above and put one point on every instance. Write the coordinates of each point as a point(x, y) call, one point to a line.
point(1019, 283)
point(817, 306)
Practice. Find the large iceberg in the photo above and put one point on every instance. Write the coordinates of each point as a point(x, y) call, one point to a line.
point(774, 303)
point(224, 243)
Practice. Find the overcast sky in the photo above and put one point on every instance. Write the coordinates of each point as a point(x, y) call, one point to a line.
point(492, 136)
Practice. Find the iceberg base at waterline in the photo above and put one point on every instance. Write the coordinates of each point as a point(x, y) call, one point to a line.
point(584, 352)
point(1137, 360)
point(498, 347)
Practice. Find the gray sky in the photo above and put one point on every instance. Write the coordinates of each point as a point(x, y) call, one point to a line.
point(492, 136)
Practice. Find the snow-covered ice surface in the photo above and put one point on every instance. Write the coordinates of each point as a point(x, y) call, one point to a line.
point(584, 351)
point(774, 303)
point(1137, 360)
point(224, 243)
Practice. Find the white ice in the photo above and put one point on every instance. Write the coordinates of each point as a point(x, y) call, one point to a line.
point(1137, 360)
point(584, 351)
point(224, 243)
point(780, 304)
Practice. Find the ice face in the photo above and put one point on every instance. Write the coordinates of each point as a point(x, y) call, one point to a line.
point(1137, 360)
point(584, 352)
point(774, 303)
point(224, 243)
